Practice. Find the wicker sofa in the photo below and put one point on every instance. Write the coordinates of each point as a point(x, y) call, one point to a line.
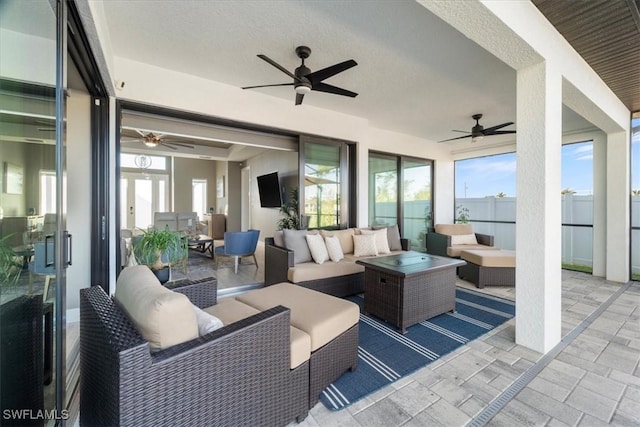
point(339, 279)
point(237, 375)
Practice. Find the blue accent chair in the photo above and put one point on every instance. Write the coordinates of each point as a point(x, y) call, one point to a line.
point(43, 264)
point(238, 244)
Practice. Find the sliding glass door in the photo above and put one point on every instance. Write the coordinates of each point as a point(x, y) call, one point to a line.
point(324, 190)
point(32, 178)
point(400, 192)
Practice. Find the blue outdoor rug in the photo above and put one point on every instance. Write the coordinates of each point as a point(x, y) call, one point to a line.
point(386, 355)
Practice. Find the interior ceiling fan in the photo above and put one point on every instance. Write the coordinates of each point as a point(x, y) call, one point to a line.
point(478, 131)
point(152, 140)
point(304, 81)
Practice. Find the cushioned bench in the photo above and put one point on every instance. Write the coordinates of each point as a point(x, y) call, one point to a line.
point(493, 267)
point(324, 329)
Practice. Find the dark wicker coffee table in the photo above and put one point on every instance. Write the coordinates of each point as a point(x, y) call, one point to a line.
point(408, 288)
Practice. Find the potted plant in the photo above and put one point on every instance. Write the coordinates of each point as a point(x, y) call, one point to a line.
point(290, 212)
point(159, 250)
point(10, 264)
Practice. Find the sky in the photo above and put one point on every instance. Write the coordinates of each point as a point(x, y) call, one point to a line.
point(488, 176)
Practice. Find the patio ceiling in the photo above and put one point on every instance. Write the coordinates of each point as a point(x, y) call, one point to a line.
point(606, 33)
point(415, 75)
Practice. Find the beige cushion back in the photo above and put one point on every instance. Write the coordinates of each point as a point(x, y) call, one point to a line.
point(454, 229)
point(163, 317)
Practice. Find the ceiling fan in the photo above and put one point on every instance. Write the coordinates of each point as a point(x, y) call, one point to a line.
point(152, 140)
point(478, 131)
point(304, 81)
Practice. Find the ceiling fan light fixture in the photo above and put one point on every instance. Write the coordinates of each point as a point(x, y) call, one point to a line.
point(150, 143)
point(477, 138)
point(303, 89)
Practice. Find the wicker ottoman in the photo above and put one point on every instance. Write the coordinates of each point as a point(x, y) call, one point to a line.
point(331, 322)
point(489, 267)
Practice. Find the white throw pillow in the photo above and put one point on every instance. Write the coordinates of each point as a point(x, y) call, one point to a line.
point(206, 322)
point(317, 248)
point(334, 248)
point(382, 242)
point(464, 239)
point(364, 245)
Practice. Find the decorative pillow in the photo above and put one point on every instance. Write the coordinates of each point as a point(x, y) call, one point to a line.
point(206, 322)
point(334, 248)
point(295, 240)
point(382, 243)
point(393, 236)
point(464, 239)
point(364, 245)
point(344, 236)
point(317, 248)
point(278, 238)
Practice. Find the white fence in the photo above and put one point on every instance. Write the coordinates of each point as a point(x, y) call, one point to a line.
point(576, 241)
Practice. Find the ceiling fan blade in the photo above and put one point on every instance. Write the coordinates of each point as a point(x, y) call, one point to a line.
point(299, 98)
point(325, 73)
point(462, 131)
point(279, 67)
point(140, 132)
point(492, 128)
point(168, 145)
point(180, 144)
point(499, 132)
point(131, 140)
point(281, 84)
point(323, 87)
point(453, 139)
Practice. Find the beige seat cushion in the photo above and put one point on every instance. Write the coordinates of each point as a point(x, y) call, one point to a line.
point(499, 258)
point(163, 317)
point(454, 229)
point(229, 310)
point(322, 316)
point(455, 250)
point(311, 271)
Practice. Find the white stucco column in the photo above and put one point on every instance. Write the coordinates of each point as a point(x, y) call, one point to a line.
point(599, 205)
point(618, 196)
point(538, 211)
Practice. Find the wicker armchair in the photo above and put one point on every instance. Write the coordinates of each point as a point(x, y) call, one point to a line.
point(236, 375)
point(440, 241)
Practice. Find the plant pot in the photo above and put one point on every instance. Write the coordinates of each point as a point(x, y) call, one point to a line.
point(163, 274)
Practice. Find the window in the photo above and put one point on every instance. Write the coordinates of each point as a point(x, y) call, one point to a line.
point(324, 184)
point(142, 161)
point(577, 206)
point(635, 197)
point(485, 196)
point(47, 192)
point(400, 192)
point(199, 196)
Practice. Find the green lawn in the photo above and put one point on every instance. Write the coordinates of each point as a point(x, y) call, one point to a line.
point(577, 267)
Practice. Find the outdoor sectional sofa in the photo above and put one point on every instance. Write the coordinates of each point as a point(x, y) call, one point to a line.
point(342, 278)
point(146, 360)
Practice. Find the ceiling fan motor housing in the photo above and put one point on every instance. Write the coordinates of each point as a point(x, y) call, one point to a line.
point(303, 85)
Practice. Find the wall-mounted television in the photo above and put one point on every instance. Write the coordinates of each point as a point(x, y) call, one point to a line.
point(269, 190)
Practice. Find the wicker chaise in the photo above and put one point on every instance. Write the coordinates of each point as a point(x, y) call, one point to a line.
point(447, 240)
point(235, 376)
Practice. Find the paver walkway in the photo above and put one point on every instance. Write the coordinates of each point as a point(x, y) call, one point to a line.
point(594, 381)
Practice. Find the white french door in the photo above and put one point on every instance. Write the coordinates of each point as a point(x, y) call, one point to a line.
point(141, 196)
